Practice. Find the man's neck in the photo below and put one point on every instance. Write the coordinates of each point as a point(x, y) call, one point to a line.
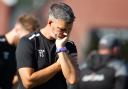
point(46, 32)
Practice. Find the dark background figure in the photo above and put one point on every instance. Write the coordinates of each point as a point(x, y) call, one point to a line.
point(103, 69)
point(8, 42)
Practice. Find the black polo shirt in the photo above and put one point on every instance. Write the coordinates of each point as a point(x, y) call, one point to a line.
point(7, 63)
point(37, 52)
point(102, 72)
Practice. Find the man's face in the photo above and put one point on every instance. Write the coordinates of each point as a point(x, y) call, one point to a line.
point(60, 28)
point(21, 31)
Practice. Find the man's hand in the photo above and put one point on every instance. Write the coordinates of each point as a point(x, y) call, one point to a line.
point(60, 42)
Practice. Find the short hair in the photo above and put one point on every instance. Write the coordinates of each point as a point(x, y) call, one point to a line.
point(62, 11)
point(29, 22)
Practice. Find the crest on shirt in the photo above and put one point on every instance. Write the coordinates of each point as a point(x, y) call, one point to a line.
point(41, 52)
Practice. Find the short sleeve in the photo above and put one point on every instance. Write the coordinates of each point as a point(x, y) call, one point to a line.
point(25, 53)
point(71, 47)
point(72, 52)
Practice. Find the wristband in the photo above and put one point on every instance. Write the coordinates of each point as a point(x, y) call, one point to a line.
point(63, 49)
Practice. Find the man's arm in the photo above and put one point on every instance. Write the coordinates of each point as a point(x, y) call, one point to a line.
point(120, 78)
point(120, 74)
point(67, 61)
point(26, 66)
point(69, 67)
point(31, 79)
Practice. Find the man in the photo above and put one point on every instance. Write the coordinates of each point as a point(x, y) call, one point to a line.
point(47, 59)
point(24, 25)
point(103, 69)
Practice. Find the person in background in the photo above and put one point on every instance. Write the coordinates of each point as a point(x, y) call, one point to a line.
point(103, 69)
point(8, 42)
point(47, 59)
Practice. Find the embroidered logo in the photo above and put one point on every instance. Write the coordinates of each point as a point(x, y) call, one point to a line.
point(6, 55)
point(41, 52)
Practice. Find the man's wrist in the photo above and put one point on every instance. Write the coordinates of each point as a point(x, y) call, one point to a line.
point(62, 49)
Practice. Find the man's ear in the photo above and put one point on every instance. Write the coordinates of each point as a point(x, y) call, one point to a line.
point(49, 22)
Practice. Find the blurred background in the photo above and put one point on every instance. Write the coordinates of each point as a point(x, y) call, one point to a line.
point(94, 18)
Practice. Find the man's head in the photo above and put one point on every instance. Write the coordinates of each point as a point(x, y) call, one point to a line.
point(110, 43)
point(62, 11)
point(60, 20)
point(25, 24)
